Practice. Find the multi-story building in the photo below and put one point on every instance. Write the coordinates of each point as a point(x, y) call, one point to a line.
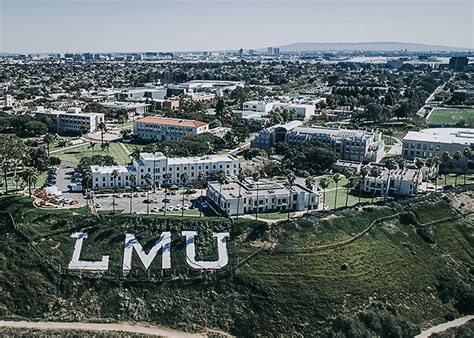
point(167, 129)
point(72, 120)
point(157, 165)
point(458, 63)
point(258, 106)
point(428, 143)
point(350, 145)
point(402, 182)
point(235, 197)
point(142, 93)
point(133, 109)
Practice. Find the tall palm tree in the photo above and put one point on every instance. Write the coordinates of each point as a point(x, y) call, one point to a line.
point(256, 178)
point(30, 176)
point(324, 184)
point(184, 177)
point(220, 176)
point(309, 183)
point(135, 154)
point(401, 166)
point(147, 179)
point(446, 160)
point(133, 182)
point(436, 162)
point(105, 146)
point(457, 156)
point(363, 173)
point(202, 181)
point(48, 140)
point(349, 174)
point(167, 179)
point(336, 178)
point(115, 175)
point(103, 129)
point(390, 164)
point(241, 178)
point(92, 146)
point(290, 178)
point(467, 153)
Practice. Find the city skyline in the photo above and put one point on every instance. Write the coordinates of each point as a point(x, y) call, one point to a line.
point(44, 26)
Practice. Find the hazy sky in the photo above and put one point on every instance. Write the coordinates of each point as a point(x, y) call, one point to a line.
point(178, 25)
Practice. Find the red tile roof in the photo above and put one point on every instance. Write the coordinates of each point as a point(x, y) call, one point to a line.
point(172, 122)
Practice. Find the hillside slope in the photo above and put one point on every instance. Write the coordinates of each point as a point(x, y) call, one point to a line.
point(410, 270)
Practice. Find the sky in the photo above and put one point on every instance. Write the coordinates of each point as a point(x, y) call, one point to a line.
point(36, 26)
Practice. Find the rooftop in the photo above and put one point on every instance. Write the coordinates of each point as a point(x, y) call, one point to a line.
point(442, 135)
point(172, 122)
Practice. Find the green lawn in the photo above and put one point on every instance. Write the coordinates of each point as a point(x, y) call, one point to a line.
point(274, 215)
point(450, 116)
point(388, 141)
point(74, 155)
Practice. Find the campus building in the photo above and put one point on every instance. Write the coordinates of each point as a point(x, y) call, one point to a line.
point(428, 143)
point(142, 94)
point(235, 197)
point(133, 109)
point(72, 120)
point(402, 182)
point(157, 165)
point(350, 145)
point(167, 129)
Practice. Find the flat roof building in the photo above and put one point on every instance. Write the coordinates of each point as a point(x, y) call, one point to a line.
point(167, 129)
point(72, 120)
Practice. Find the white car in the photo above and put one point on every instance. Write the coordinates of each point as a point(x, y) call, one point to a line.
point(178, 207)
point(170, 208)
point(155, 209)
point(67, 200)
point(98, 205)
point(185, 207)
point(143, 194)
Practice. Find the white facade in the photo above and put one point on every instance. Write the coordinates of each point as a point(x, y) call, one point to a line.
point(141, 94)
point(236, 197)
point(258, 106)
point(303, 111)
point(403, 182)
point(166, 129)
point(133, 108)
point(157, 165)
point(72, 121)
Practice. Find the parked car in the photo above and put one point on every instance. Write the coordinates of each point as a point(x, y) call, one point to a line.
point(98, 205)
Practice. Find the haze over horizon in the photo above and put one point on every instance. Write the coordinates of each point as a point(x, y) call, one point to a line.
point(36, 26)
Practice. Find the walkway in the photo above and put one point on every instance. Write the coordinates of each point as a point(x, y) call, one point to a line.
point(445, 326)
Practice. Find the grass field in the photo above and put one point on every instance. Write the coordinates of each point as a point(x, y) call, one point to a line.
point(74, 155)
point(450, 116)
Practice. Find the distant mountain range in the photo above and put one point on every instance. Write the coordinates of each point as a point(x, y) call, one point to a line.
point(364, 46)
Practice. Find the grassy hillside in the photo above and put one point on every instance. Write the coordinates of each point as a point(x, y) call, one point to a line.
point(400, 275)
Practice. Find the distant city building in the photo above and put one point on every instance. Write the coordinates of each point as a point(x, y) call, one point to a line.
point(72, 121)
point(270, 50)
point(167, 129)
point(203, 86)
point(428, 143)
point(142, 94)
point(276, 51)
point(458, 63)
point(157, 165)
point(261, 197)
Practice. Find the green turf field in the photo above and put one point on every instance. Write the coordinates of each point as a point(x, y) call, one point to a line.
point(450, 116)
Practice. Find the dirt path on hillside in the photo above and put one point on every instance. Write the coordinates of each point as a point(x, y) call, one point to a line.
point(444, 326)
point(121, 327)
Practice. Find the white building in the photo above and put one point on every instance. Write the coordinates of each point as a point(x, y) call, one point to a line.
point(72, 121)
point(157, 165)
point(428, 143)
point(258, 106)
point(303, 111)
point(236, 197)
point(403, 182)
point(142, 94)
point(167, 129)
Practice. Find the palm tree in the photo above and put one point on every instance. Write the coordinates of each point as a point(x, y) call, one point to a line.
point(336, 178)
point(202, 181)
point(166, 178)
point(349, 174)
point(457, 156)
point(390, 164)
point(256, 177)
point(135, 154)
point(103, 129)
point(105, 146)
point(446, 160)
point(92, 146)
point(436, 163)
point(147, 179)
point(133, 181)
point(309, 182)
point(324, 184)
point(115, 175)
point(241, 178)
point(48, 139)
point(363, 173)
point(30, 176)
point(220, 176)
point(290, 178)
point(374, 172)
point(467, 153)
point(184, 178)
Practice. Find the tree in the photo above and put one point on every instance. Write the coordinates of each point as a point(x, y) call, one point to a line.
point(312, 156)
point(390, 164)
point(324, 184)
point(103, 129)
point(202, 181)
point(446, 160)
point(48, 139)
point(290, 178)
point(241, 178)
point(184, 177)
point(336, 178)
point(467, 153)
point(135, 154)
point(220, 177)
point(373, 112)
point(457, 156)
point(167, 179)
point(92, 146)
point(115, 175)
point(401, 166)
point(436, 163)
point(349, 174)
point(220, 107)
point(105, 146)
point(30, 176)
point(133, 181)
point(374, 172)
point(147, 179)
point(309, 183)
point(256, 178)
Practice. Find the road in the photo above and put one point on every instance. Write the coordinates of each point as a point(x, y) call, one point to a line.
point(121, 327)
point(444, 326)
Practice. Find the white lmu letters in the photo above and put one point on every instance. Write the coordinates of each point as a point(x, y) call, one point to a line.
point(163, 243)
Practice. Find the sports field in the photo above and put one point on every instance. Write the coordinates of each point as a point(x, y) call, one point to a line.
point(450, 116)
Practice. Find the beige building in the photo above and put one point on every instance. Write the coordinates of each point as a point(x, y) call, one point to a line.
point(167, 129)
